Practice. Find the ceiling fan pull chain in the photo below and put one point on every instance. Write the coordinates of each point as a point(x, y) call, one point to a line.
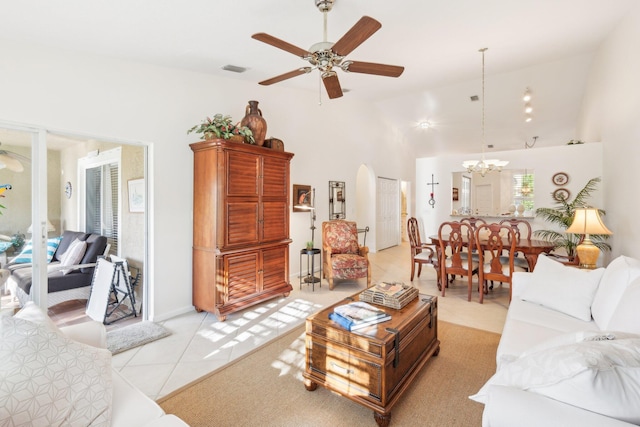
point(320, 89)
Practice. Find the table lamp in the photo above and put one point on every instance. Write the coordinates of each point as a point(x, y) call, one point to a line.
point(50, 227)
point(587, 221)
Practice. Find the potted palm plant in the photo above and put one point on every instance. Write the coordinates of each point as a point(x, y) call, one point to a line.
point(562, 216)
point(221, 126)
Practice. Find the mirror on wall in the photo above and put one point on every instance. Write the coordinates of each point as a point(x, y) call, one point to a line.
point(337, 200)
point(506, 193)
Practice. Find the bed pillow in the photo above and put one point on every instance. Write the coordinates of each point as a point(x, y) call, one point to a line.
point(26, 255)
point(568, 290)
point(601, 376)
point(73, 255)
point(48, 379)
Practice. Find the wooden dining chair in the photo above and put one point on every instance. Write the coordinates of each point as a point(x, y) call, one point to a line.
point(453, 239)
point(494, 265)
point(522, 230)
point(421, 253)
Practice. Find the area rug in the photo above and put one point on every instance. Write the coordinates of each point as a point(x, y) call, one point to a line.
point(265, 388)
point(122, 339)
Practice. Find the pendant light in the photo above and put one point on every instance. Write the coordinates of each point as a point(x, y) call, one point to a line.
point(483, 166)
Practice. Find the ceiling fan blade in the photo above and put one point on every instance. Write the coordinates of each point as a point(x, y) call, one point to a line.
point(10, 163)
point(281, 44)
point(373, 68)
point(362, 30)
point(285, 76)
point(332, 84)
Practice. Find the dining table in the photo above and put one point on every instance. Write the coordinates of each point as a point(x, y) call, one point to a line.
point(531, 248)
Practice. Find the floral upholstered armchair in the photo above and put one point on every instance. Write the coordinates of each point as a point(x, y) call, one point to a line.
point(342, 256)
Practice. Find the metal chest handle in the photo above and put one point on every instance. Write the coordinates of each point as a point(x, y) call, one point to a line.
point(396, 345)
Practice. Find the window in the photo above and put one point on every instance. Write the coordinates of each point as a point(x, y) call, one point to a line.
point(523, 190)
point(100, 177)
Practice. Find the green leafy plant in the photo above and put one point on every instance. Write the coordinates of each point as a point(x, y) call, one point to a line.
point(221, 126)
point(562, 216)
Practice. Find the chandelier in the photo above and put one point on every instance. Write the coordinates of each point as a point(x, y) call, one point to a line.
point(483, 165)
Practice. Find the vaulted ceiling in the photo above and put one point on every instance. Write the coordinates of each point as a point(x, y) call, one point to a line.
point(545, 45)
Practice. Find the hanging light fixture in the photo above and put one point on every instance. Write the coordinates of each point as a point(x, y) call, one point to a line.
point(483, 166)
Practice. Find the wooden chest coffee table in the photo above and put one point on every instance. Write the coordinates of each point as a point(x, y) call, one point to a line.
point(375, 365)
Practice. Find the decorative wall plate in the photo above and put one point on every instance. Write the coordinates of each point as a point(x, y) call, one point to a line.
point(68, 189)
point(560, 178)
point(561, 194)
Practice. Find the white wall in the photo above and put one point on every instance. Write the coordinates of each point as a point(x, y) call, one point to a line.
point(133, 102)
point(580, 162)
point(611, 114)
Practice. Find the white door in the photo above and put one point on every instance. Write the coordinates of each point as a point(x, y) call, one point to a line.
point(483, 199)
point(387, 213)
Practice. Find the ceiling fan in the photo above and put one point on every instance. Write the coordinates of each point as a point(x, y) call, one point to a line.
point(327, 56)
point(12, 161)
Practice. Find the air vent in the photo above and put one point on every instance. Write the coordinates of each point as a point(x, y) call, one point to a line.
point(475, 98)
point(489, 145)
point(234, 68)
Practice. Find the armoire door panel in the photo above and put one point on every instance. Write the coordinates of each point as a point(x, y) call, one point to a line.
point(275, 224)
point(243, 174)
point(242, 274)
point(275, 178)
point(242, 223)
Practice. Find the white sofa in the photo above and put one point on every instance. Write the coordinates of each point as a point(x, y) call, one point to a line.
point(570, 349)
point(51, 376)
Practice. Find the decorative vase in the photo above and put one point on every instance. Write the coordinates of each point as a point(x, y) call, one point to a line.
point(209, 135)
point(254, 121)
point(520, 210)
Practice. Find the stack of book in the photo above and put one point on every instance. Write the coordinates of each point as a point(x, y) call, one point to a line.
point(357, 315)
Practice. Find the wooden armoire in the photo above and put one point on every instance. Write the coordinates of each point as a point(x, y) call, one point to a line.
point(240, 225)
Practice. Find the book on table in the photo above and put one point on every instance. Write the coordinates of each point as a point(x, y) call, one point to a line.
point(390, 288)
point(358, 314)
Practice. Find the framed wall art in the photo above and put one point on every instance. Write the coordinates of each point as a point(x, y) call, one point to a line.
point(136, 195)
point(301, 198)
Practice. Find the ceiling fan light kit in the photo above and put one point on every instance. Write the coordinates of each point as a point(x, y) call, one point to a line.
point(326, 56)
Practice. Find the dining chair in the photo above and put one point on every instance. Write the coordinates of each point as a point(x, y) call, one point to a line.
point(492, 241)
point(421, 253)
point(453, 239)
point(522, 230)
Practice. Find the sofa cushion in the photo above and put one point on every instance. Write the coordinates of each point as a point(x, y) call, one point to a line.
point(48, 379)
point(529, 324)
point(68, 237)
point(566, 289)
point(73, 255)
point(626, 316)
point(616, 278)
point(599, 376)
point(26, 255)
point(96, 244)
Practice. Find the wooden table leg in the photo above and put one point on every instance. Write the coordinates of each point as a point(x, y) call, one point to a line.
point(382, 420)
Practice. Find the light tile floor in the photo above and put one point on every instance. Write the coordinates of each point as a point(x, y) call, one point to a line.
point(200, 344)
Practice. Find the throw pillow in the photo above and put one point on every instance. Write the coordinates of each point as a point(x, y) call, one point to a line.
point(616, 278)
point(599, 376)
point(48, 379)
point(73, 254)
point(565, 289)
point(26, 255)
point(35, 314)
